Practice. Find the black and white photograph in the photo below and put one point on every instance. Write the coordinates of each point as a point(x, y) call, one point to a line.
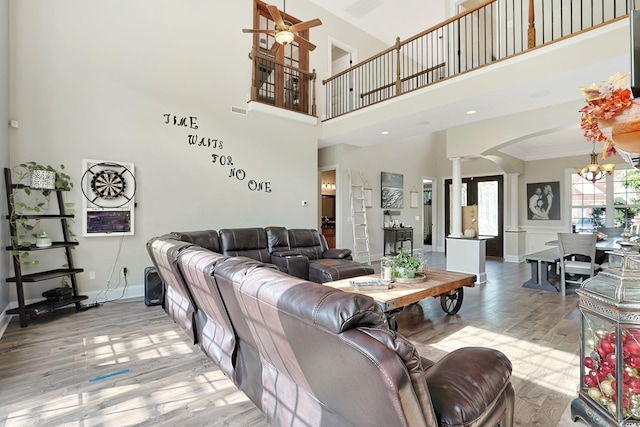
point(392, 190)
point(543, 200)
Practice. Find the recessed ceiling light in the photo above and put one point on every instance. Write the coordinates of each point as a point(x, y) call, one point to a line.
point(385, 132)
point(423, 123)
point(470, 112)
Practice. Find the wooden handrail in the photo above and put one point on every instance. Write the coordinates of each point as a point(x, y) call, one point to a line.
point(360, 64)
point(280, 90)
point(420, 73)
point(395, 46)
point(449, 42)
point(256, 55)
point(448, 21)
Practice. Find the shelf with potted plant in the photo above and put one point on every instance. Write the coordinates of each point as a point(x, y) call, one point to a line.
point(26, 211)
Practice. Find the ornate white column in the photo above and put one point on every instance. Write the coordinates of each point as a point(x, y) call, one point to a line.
point(513, 222)
point(609, 220)
point(456, 196)
point(515, 238)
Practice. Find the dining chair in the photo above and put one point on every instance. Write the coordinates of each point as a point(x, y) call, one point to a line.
point(575, 249)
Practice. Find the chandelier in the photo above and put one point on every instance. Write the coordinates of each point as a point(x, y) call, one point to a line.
point(594, 171)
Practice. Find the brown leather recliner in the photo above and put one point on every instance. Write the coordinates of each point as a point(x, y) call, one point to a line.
point(325, 265)
point(176, 297)
point(301, 253)
point(314, 355)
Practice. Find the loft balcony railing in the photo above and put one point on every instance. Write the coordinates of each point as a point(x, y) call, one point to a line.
point(493, 31)
point(282, 85)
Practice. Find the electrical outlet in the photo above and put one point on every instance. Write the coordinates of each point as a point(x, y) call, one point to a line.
point(92, 275)
point(123, 272)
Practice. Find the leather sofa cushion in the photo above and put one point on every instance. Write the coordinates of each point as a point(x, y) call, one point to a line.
point(307, 241)
point(177, 300)
point(277, 238)
point(247, 242)
point(215, 331)
point(466, 384)
point(206, 238)
point(328, 270)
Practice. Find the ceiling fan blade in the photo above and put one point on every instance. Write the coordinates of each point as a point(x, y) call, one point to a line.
point(302, 42)
point(275, 14)
point(274, 49)
point(256, 30)
point(301, 26)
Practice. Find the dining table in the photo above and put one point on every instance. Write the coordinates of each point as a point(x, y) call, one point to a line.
point(606, 244)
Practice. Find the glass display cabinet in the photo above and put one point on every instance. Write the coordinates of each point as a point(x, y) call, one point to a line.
point(609, 391)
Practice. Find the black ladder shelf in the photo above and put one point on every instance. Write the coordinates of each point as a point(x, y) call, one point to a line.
point(26, 311)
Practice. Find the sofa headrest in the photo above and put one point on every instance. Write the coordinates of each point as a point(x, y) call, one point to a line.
point(278, 239)
point(322, 306)
point(164, 251)
point(247, 242)
point(235, 268)
point(308, 242)
point(208, 239)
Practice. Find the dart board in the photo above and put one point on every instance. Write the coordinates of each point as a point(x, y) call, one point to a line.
point(108, 185)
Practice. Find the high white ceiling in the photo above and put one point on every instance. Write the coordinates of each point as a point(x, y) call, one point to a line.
point(387, 19)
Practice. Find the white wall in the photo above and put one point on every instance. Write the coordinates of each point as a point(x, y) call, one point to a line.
point(4, 154)
point(93, 79)
point(414, 158)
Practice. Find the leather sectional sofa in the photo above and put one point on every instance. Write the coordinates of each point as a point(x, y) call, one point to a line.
point(301, 253)
point(307, 354)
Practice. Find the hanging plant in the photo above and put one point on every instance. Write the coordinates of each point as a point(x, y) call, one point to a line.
point(33, 203)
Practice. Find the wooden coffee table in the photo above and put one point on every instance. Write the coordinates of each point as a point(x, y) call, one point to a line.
point(448, 285)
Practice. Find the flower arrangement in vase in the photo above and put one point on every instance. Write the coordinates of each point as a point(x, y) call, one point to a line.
point(611, 116)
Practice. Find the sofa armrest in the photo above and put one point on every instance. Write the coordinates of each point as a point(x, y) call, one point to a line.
point(337, 254)
point(460, 395)
point(294, 264)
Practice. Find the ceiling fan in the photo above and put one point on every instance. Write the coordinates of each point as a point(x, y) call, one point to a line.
point(284, 32)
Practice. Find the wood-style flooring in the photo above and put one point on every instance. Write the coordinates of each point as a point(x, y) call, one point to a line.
point(125, 364)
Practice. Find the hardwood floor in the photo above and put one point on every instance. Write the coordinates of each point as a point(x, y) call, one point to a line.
point(127, 364)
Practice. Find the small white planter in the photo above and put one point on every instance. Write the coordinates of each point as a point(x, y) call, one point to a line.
point(43, 242)
point(43, 179)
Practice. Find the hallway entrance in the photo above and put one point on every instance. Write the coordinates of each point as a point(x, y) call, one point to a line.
point(487, 192)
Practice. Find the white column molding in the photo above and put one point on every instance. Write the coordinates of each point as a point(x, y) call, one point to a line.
point(456, 195)
point(609, 220)
point(513, 223)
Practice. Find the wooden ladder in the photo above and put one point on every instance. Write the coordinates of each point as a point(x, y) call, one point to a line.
point(361, 245)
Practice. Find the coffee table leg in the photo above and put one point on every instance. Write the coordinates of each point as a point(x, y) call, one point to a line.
point(393, 323)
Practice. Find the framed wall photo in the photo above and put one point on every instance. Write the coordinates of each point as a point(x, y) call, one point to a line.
point(367, 194)
point(392, 190)
point(543, 200)
point(414, 199)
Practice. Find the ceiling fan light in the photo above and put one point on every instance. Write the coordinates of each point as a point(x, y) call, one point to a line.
point(284, 37)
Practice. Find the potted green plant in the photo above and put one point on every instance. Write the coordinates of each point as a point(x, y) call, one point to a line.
point(41, 175)
point(405, 265)
point(33, 203)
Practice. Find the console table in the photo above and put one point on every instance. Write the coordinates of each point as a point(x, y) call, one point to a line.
point(397, 235)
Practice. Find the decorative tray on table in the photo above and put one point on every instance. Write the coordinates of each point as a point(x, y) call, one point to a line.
point(418, 278)
point(369, 285)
